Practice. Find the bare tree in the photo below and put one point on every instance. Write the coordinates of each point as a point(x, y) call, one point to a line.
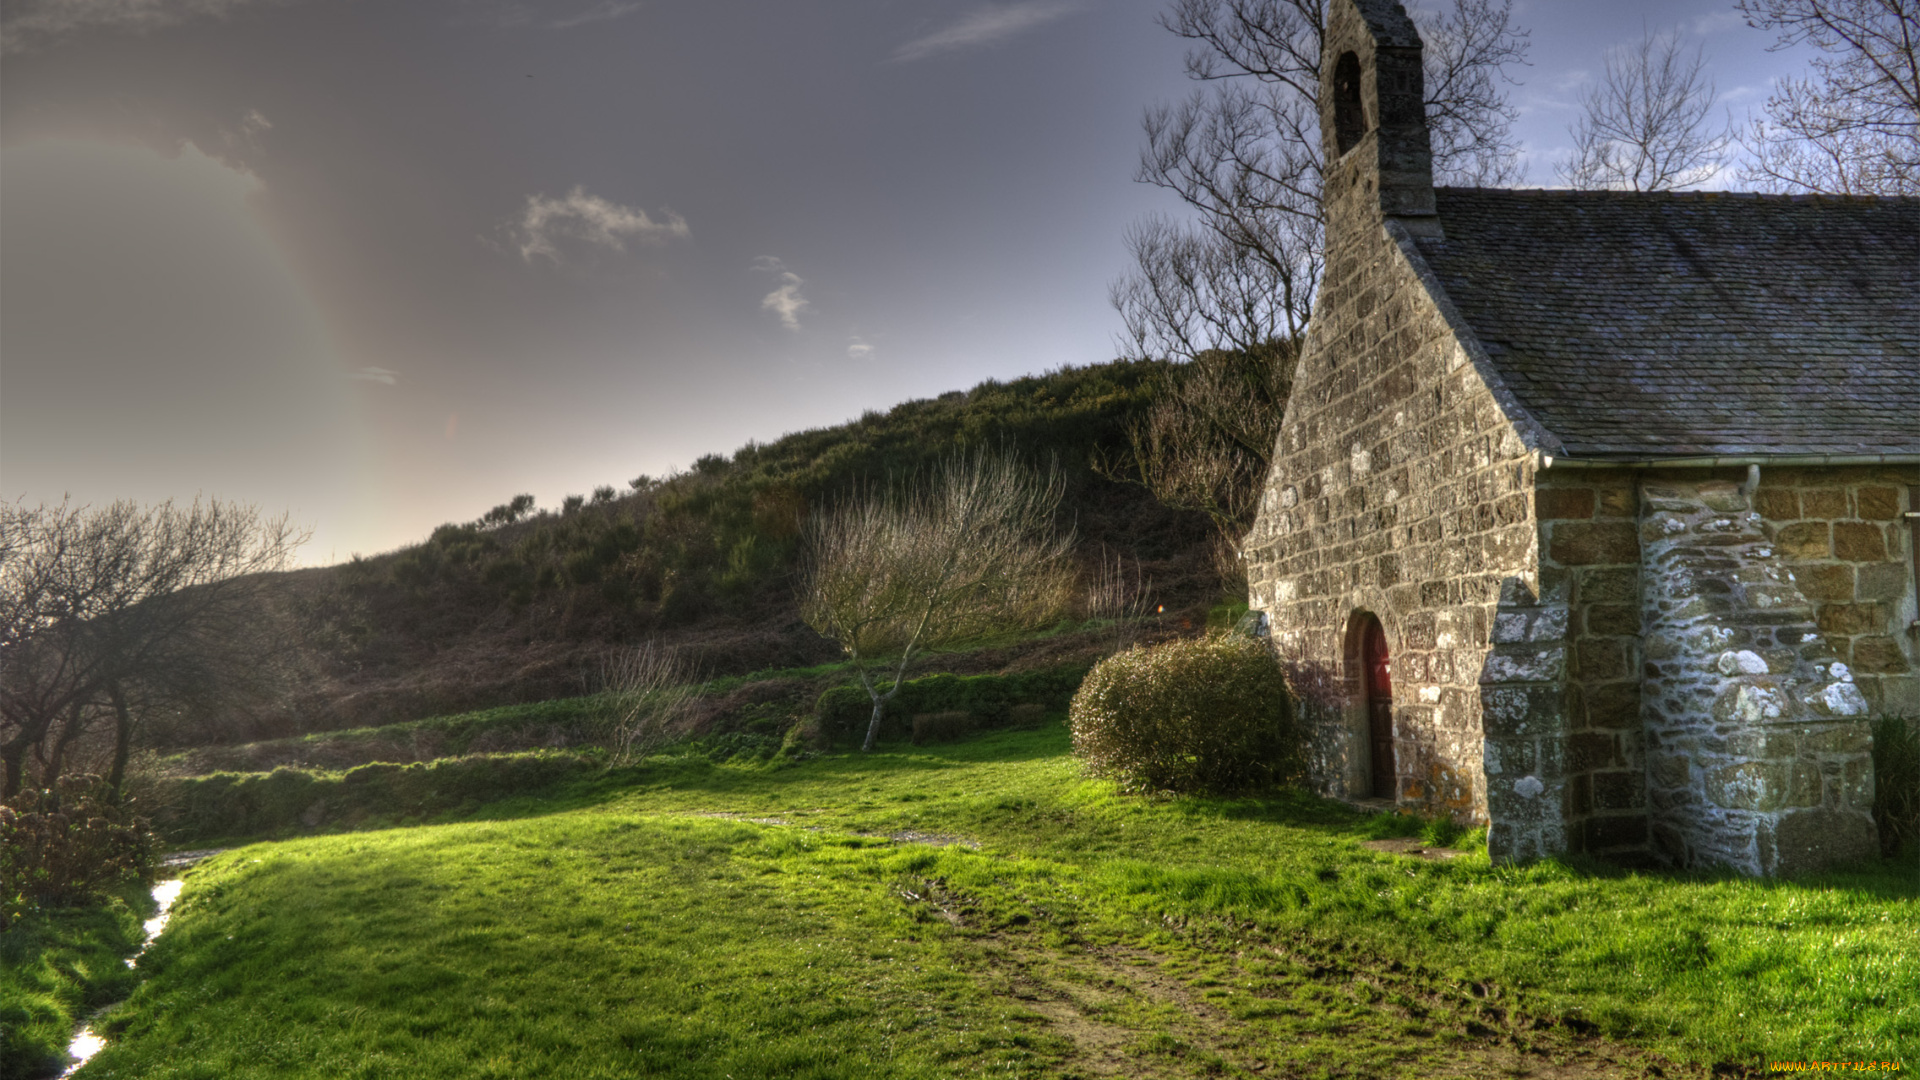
point(1191, 291)
point(650, 688)
point(1647, 126)
point(1854, 128)
point(1244, 155)
point(969, 552)
point(105, 613)
point(1207, 441)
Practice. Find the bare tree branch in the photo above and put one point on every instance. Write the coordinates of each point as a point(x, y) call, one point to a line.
point(1646, 126)
point(1207, 442)
point(1244, 155)
point(650, 690)
point(1854, 128)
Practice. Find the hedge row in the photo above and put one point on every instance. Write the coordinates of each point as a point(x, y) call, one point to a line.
point(202, 809)
point(845, 711)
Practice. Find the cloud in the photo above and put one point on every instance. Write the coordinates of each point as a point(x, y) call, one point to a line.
point(26, 24)
point(386, 376)
point(984, 26)
point(590, 219)
point(858, 349)
point(592, 13)
point(554, 15)
point(786, 300)
point(1717, 22)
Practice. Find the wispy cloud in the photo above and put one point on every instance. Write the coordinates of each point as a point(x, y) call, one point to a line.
point(544, 222)
point(27, 24)
point(553, 15)
point(786, 300)
point(984, 26)
point(1717, 22)
point(592, 13)
point(858, 349)
point(386, 376)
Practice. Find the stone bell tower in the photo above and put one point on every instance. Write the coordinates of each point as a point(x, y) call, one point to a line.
point(1373, 124)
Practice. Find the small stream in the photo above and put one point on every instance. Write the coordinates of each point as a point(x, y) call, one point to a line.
point(87, 1042)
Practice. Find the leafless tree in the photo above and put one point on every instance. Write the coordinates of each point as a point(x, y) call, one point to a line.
point(1207, 441)
point(1648, 125)
point(1854, 127)
point(1244, 155)
point(108, 613)
point(1191, 292)
point(650, 688)
point(1119, 595)
point(969, 552)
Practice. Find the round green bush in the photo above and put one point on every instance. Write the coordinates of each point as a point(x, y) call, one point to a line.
point(1207, 715)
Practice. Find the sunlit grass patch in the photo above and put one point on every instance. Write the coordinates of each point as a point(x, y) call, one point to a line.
point(981, 907)
point(581, 945)
point(57, 965)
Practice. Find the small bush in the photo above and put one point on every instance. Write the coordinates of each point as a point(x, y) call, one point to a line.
point(941, 727)
point(1187, 716)
point(1896, 780)
point(67, 845)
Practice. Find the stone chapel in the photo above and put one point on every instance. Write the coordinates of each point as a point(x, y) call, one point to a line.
point(1600, 505)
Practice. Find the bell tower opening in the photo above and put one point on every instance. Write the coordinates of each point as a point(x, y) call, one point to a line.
point(1349, 111)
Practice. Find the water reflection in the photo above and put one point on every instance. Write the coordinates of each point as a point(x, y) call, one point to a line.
point(86, 1042)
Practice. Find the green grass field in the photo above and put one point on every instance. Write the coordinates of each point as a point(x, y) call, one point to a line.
point(61, 964)
point(833, 918)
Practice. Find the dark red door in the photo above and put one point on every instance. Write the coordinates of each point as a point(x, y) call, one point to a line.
point(1379, 708)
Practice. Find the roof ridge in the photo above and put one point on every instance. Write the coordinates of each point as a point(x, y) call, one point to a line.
point(1680, 196)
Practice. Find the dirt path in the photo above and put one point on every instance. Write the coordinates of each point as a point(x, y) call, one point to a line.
point(1253, 1008)
point(1269, 1013)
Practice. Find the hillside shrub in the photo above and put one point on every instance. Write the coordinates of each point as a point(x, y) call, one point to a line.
point(1027, 715)
point(558, 724)
point(68, 845)
point(1205, 715)
point(941, 727)
point(844, 711)
point(1896, 779)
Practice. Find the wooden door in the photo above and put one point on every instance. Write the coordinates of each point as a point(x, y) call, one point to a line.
point(1379, 708)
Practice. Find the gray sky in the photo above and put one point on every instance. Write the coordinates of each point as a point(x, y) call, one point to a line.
point(385, 265)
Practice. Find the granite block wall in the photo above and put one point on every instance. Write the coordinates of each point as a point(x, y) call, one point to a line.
point(1590, 558)
point(1842, 538)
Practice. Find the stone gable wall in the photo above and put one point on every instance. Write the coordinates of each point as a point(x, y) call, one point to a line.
point(1400, 488)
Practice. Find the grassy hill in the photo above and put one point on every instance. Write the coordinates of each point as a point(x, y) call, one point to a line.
point(483, 614)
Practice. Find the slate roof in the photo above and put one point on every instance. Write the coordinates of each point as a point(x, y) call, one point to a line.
point(1698, 323)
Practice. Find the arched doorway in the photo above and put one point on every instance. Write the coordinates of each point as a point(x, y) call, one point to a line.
point(1377, 678)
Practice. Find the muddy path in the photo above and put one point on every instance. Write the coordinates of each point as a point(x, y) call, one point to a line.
point(1221, 1000)
point(1268, 1011)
